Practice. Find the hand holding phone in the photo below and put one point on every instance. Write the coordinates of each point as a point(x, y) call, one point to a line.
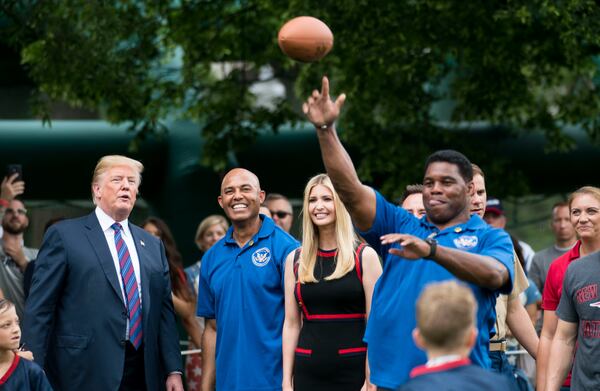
point(12, 187)
point(12, 169)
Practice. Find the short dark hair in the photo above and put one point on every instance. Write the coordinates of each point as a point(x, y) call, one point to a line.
point(453, 157)
point(274, 197)
point(410, 190)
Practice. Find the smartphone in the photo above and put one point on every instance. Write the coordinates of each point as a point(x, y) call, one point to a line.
point(12, 169)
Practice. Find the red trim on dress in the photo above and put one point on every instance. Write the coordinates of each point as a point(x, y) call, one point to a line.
point(423, 369)
point(307, 315)
point(304, 351)
point(11, 369)
point(300, 300)
point(333, 316)
point(357, 258)
point(352, 350)
point(327, 253)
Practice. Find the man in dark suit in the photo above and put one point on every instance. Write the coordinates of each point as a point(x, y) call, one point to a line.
point(99, 315)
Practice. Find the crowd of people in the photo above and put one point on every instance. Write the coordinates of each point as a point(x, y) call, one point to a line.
point(419, 294)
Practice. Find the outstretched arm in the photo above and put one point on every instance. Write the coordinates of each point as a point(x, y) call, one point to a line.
point(322, 112)
point(481, 270)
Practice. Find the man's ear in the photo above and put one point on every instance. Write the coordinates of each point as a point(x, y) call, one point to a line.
point(471, 188)
point(471, 337)
point(220, 201)
point(96, 190)
point(418, 338)
point(261, 196)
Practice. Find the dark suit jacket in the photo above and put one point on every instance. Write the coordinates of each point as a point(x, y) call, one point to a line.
point(75, 317)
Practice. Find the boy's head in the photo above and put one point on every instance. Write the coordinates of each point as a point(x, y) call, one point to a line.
point(446, 318)
point(10, 332)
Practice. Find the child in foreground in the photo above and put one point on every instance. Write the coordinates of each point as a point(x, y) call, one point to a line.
point(446, 330)
point(16, 373)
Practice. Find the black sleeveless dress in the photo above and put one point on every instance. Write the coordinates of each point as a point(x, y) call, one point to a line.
point(331, 353)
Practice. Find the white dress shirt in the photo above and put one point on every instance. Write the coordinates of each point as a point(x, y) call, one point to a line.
point(105, 223)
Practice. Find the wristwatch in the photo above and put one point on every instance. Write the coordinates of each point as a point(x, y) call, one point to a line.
point(432, 247)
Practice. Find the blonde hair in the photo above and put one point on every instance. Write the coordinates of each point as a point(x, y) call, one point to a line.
point(208, 222)
point(445, 314)
point(477, 170)
point(344, 232)
point(107, 162)
point(5, 305)
point(590, 190)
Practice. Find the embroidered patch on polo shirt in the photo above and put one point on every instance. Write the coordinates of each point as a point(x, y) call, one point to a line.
point(466, 242)
point(261, 257)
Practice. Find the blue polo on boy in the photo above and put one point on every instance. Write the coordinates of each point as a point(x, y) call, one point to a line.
point(392, 351)
point(243, 289)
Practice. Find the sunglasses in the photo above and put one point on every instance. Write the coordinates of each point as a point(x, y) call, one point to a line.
point(20, 211)
point(280, 214)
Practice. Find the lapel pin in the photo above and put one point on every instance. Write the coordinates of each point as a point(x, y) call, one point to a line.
point(142, 243)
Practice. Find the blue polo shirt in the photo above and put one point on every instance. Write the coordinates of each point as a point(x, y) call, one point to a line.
point(392, 351)
point(243, 289)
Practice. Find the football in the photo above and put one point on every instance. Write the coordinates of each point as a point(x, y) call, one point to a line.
point(305, 39)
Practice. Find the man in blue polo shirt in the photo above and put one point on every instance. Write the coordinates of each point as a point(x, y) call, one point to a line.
point(447, 243)
point(241, 293)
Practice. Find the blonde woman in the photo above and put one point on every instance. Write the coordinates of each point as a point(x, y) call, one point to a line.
point(584, 210)
point(328, 288)
point(210, 230)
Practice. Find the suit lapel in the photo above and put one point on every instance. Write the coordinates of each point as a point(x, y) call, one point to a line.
point(144, 259)
point(98, 242)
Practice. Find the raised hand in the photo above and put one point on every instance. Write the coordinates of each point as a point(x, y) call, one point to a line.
point(412, 246)
point(320, 110)
point(10, 188)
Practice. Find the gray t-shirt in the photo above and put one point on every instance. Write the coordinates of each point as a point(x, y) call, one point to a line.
point(539, 270)
point(580, 303)
point(11, 278)
point(541, 263)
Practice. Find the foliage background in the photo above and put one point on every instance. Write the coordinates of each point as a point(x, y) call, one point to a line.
point(419, 75)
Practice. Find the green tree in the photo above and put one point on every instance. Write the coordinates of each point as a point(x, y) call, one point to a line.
point(417, 73)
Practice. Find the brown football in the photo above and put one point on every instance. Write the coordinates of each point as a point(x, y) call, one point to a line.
point(305, 39)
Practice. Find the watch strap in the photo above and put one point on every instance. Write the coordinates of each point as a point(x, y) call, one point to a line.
point(432, 247)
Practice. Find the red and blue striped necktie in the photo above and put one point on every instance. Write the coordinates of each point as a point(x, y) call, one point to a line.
point(132, 296)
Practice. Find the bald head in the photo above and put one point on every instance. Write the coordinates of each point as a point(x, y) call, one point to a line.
point(241, 195)
point(242, 173)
